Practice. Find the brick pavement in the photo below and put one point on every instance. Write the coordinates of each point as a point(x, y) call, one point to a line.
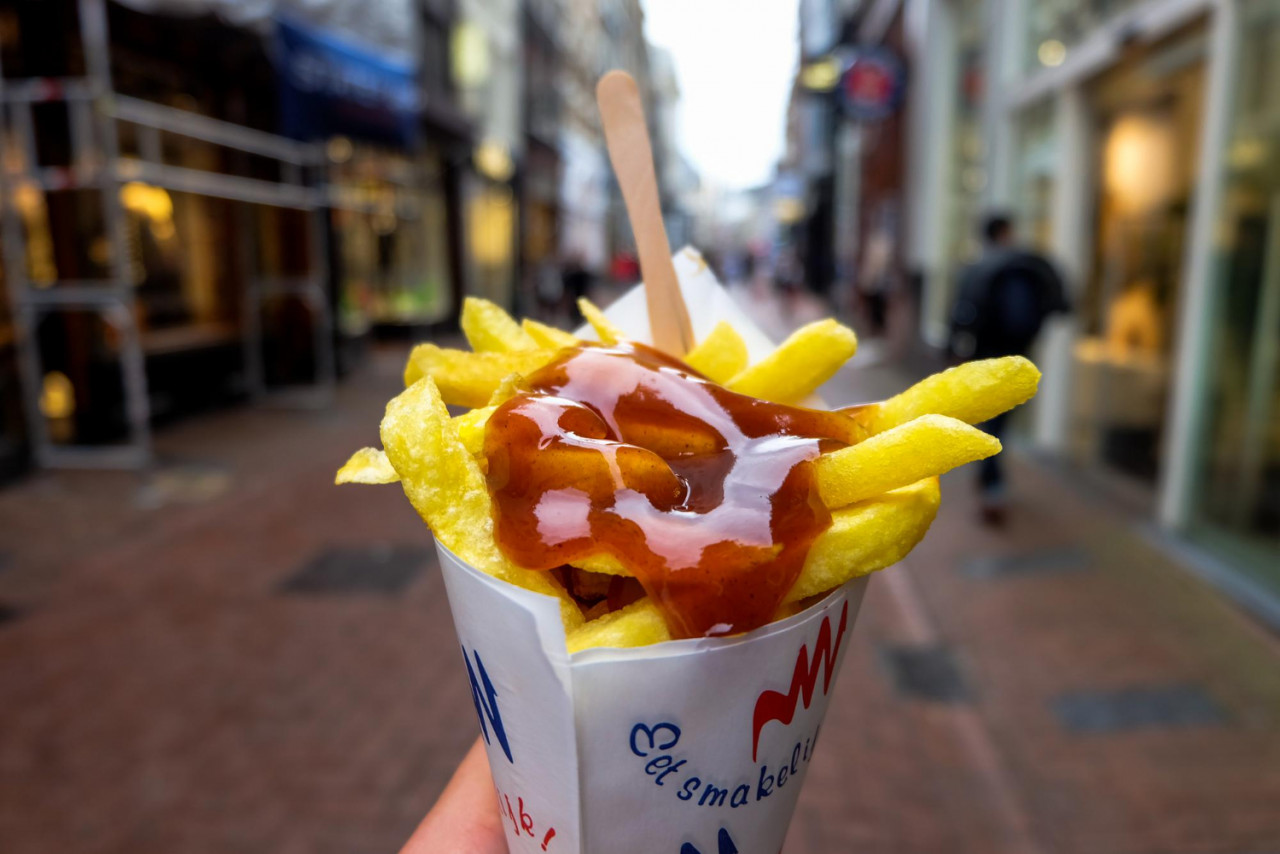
point(160, 692)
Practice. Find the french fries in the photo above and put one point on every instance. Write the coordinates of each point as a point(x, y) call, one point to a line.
point(973, 393)
point(443, 482)
point(638, 624)
point(470, 379)
point(861, 540)
point(806, 360)
point(881, 488)
point(470, 427)
point(490, 329)
point(367, 465)
point(605, 330)
point(923, 447)
point(720, 356)
point(548, 337)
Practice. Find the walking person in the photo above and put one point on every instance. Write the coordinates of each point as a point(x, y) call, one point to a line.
point(1002, 302)
point(577, 282)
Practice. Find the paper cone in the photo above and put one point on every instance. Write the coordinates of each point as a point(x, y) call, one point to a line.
point(687, 747)
point(700, 743)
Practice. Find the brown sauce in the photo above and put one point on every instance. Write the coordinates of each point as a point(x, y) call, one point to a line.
point(706, 496)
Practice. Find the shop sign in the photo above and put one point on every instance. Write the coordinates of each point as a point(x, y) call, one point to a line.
point(329, 86)
point(872, 85)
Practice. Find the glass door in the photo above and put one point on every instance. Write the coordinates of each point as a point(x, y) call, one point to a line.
point(1237, 499)
point(1148, 110)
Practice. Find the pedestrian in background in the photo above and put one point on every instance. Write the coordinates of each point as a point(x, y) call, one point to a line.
point(1002, 302)
point(577, 281)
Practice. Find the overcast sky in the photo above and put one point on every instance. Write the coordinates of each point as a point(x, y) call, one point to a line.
point(735, 60)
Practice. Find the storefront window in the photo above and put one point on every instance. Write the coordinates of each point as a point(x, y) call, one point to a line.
point(491, 230)
point(968, 153)
point(1237, 504)
point(1056, 26)
point(391, 230)
point(1034, 182)
point(1147, 113)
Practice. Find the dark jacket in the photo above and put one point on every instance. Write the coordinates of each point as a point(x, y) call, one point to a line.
point(1001, 303)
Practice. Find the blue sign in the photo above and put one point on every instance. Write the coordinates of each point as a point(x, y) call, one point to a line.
point(330, 86)
point(872, 85)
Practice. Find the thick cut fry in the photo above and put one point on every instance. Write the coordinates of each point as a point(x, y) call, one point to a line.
point(924, 447)
point(470, 427)
point(470, 379)
point(972, 392)
point(490, 329)
point(720, 356)
point(605, 564)
point(638, 624)
point(605, 330)
point(445, 486)
point(862, 539)
point(548, 337)
point(867, 537)
point(367, 465)
point(511, 385)
point(806, 360)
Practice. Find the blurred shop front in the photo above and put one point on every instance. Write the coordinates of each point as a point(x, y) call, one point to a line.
point(209, 201)
point(1138, 144)
point(394, 147)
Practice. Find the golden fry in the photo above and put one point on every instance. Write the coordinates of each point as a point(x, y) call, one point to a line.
point(924, 447)
point(367, 465)
point(867, 537)
point(548, 337)
point(638, 624)
point(470, 427)
point(972, 392)
point(444, 484)
point(470, 379)
point(720, 356)
point(606, 564)
point(605, 330)
point(862, 539)
point(490, 329)
point(511, 385)
point(806, 360)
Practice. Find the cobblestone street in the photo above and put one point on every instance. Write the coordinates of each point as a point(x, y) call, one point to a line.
point(236, 656)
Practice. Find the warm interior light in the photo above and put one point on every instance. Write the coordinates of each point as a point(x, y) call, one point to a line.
point(57, 396)
point(491, 225)
point(151, 202)
point(470, 54)
point(821, 75)
point(1051, 53)
point(339, 149)
point(788, 211)
point(1139, 163)
point(494, 161)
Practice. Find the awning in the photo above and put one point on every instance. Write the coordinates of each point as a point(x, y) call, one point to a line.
point(383, 25)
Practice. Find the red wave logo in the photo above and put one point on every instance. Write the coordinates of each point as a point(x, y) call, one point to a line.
point(773, 706)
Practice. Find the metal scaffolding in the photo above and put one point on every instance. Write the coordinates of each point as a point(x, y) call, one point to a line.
point(95, 115)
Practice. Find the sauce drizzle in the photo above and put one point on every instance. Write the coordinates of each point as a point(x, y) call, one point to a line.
point(706, 496)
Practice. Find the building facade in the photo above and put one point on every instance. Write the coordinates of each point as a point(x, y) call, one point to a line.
point(206, 202)
point(1138, 144)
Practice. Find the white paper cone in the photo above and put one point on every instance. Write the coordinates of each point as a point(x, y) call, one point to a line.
point(700, 743)
point(686, 747)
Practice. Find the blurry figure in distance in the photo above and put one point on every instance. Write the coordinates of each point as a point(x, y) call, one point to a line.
point(1002, 302)
point(624, 269)
point(874, 279)
point(577, 281)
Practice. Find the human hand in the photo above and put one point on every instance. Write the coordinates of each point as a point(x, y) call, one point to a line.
point(465, 819)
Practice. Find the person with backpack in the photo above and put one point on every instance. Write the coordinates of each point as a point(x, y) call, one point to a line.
point(1002, 302)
